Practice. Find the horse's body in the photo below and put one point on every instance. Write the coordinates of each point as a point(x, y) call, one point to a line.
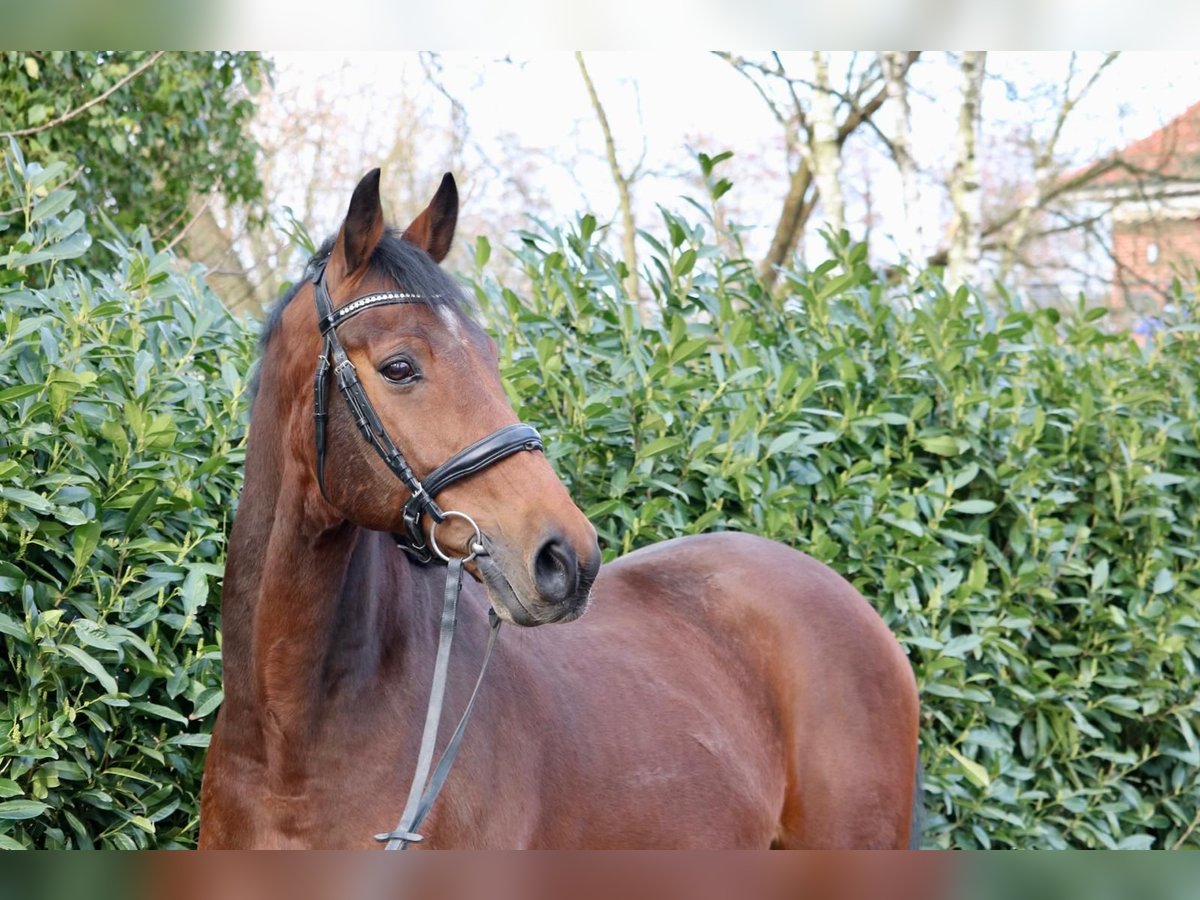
point(722, 691)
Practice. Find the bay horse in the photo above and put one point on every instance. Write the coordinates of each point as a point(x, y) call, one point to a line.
point(724, 691)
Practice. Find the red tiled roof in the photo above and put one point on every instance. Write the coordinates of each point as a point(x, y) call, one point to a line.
point(1172, 152)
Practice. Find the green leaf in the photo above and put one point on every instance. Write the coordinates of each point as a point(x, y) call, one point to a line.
point(194, 592)
point(1163, 479)
point(11, 578)
point(207, 702)
point(125, 772)
point(51, 205)
point(587, 227)
point(200, 741)
point(966, 475)
point(91, 665)
point(93, 634)
point(68, 248)
point(975, 773)
point(683, 265)
point(143, 823)
point(1164, 581)
point(659, 446)
point(55, 171)
point(962, 645)
point(70, 515)
point(783, 442)
point(912, 526)
point(13, 628)
point(163, 712)
point(483, 251)
point(973, 507)
point(816, 438)
point(1136, 841)
point(22, 809)
point(84, 541)
point(18, 391)
point(942, 445)
point(28, 499)
point(9, 788)
point(141, 509)
point(603, 508)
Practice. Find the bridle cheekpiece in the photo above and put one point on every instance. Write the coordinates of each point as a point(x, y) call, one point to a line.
point(478, 456)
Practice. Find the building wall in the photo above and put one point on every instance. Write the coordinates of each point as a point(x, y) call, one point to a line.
point(1150, 254)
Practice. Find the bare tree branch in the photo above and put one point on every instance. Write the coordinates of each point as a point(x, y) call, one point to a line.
point(1043, 174)
point(740, 65)
point(858, 102)
point(431, 65)
point(1064, 186)
point(204, 207)
point(624, 192)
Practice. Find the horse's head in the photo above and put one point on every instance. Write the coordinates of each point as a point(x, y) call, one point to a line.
point(430, 373)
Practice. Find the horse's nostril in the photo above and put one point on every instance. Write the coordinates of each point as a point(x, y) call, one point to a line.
point(556, 571)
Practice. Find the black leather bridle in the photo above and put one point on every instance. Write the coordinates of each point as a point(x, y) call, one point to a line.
point(466, 462)
point(479, 455)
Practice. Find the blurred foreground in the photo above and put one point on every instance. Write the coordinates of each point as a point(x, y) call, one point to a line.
point(697, 876)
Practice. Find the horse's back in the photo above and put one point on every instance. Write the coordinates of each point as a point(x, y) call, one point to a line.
point(735, 583)
point(791, 638)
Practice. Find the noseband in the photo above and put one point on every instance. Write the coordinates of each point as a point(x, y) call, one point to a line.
point(466, 462)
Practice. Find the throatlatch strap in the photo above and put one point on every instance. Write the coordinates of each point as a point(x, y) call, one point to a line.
point(425, 789)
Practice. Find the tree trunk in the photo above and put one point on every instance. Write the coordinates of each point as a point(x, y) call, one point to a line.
point(965, 193)
point(207, 243)
point(910, 235)
point(824, 147)
point(791, 223)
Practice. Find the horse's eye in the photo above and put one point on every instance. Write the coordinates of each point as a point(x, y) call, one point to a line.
point(400, 371)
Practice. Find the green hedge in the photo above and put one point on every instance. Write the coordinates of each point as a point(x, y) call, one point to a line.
point(1015, 490)
point(121, 421)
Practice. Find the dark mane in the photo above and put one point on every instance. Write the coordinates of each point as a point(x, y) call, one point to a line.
point(408, 267)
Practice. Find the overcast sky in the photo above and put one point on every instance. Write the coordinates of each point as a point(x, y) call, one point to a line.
point(668, 101)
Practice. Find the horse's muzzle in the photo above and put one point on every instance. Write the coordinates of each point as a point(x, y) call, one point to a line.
point(556, 588)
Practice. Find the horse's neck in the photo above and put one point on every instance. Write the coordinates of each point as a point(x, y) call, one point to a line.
point(309, 607)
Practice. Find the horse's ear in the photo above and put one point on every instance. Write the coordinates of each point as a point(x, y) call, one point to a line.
point(363, 227)
point(433, 229)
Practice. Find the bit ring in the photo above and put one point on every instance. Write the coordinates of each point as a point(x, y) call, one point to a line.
point(476, 546)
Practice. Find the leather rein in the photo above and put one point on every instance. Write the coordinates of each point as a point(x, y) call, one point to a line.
point(466, 462)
